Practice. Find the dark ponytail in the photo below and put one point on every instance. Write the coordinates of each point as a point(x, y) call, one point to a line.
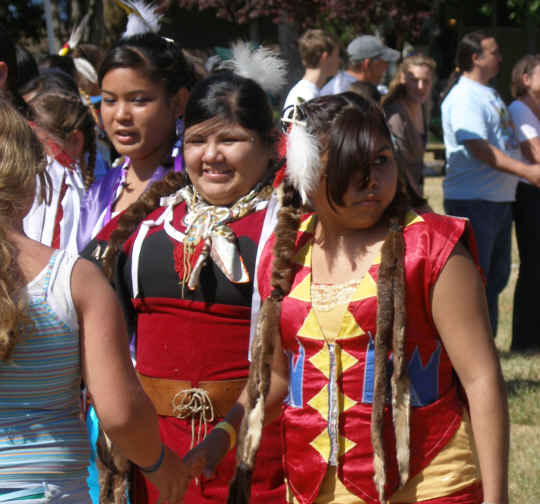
point(468, 46)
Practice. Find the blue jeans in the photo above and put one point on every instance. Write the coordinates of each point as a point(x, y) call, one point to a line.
point(492, 226)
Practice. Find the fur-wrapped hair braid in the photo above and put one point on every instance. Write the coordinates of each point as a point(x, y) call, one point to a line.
point(263, 345)
point(135, 214)
point(391, 322)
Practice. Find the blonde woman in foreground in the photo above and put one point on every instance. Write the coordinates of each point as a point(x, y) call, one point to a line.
point(60, 322)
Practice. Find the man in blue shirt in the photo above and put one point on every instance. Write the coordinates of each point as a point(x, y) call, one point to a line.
point(483, 160)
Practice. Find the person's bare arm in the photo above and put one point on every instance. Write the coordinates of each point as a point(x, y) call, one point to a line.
point(124, 410)
point(497, 159)
point(460, 313)
point(531, 149)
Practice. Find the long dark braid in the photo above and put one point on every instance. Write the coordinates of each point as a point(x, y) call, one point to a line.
point(137, 212)
point(258, 384)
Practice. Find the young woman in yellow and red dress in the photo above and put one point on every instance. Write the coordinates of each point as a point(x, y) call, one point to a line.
point(187, 276)
point(374, 322)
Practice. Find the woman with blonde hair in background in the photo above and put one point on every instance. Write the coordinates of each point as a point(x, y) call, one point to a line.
point(406, 107)
point(60, 322)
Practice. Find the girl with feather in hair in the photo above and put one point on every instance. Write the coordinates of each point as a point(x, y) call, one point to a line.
point(373, 323)
point(185, 268)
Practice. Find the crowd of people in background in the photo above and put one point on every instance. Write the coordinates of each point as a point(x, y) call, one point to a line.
point(180, 274)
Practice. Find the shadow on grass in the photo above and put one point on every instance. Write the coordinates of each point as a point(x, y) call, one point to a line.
point(518, 387)
point(524, 401)
point(507, 354)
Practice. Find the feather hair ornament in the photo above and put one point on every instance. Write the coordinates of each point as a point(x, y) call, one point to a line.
point(75, 36)
point(262, 65)
point(86, 69)
point(304, 167)
point(142, 17)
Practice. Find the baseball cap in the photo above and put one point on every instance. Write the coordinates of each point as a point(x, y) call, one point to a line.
point(369, 46)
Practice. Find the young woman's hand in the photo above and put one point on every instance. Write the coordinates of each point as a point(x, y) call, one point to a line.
point(171, 479)
point(206, 456)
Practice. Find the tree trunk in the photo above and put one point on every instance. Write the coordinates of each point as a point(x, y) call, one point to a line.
point(97, 25)
point(56, 27)
point(288, 36)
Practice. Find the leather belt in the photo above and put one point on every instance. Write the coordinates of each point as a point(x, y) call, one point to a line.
point(166, 393)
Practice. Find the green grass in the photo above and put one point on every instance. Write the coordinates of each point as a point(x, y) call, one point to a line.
point(522, 376)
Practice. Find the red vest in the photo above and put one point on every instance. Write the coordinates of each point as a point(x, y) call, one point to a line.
point(436, 405)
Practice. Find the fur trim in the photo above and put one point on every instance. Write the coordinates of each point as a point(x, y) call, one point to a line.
point(385, 318)
point(239, 487)
point(142, 17)
point(262, 65)
point(86, 69)
point(113, 469)
point(262, 349)
point(400, 383)
point(258, 384)
point(304, 167)
point(391, 319)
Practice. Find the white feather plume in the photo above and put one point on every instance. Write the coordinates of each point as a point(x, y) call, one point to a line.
point(304, 165)
point(86, 69)
point(262, 65)
point(143, 18)
point(77, 32)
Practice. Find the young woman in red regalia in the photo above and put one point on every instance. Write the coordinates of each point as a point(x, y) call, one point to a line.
point(187, 275)
point(376, 319)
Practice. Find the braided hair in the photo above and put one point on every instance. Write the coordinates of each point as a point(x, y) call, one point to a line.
point(345, 127)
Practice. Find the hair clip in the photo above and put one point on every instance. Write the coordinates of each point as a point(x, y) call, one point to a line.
point(288, 119)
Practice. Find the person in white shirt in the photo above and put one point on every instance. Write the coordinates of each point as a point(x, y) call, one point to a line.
point(483, 161)
point(319, 52)
point(525, 111)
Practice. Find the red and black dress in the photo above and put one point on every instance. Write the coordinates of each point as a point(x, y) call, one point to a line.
point(188, 272)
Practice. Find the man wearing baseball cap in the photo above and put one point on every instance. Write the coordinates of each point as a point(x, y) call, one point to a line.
point(368, 59)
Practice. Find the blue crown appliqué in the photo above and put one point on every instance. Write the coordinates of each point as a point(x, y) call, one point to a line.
point(424, 379)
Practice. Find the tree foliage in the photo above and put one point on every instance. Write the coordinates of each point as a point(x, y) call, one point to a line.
point(22, 19)
point(401, 18)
